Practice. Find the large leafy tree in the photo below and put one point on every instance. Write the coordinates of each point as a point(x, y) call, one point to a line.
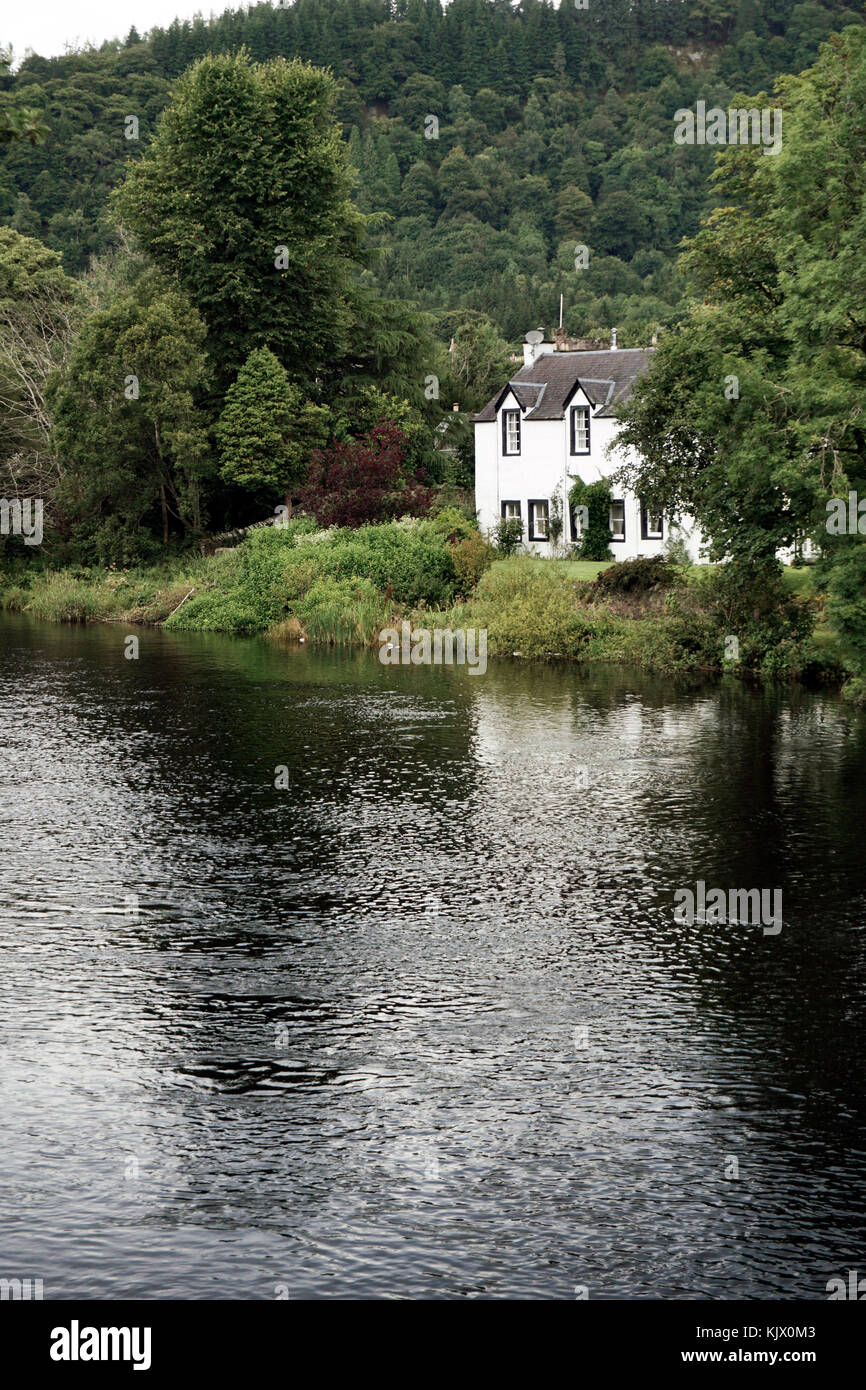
point(132, 442)
point(244, 197)
point(752, 416)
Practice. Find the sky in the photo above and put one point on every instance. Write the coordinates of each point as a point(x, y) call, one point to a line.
point(47, 26)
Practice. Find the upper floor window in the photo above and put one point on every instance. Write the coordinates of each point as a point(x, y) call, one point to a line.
point(511, 431)
point(580, 429)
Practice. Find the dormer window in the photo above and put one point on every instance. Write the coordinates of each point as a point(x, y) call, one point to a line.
point(580, 429)
point(511, 431)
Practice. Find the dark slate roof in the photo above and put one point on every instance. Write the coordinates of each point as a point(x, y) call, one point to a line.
point(528, 393)
point(606, 377)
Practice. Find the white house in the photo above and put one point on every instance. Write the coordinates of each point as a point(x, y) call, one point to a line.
point(553, 422)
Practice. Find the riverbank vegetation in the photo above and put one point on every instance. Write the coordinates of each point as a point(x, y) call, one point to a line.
point(346, 585)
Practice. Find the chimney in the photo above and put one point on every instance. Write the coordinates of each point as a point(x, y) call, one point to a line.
point(613, 340)
point(534, 346)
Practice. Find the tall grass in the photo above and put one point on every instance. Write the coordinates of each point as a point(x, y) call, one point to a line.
point(61, 597)
point(344, 612)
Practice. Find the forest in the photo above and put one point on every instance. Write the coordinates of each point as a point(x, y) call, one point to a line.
point(552, 127)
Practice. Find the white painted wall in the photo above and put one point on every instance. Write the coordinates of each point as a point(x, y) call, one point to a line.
point(544, 462)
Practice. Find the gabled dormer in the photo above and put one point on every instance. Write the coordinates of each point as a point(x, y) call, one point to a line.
point(515, 401)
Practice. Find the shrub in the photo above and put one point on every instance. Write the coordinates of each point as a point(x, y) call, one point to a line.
point(452, 524)
point(531, 610)
point(471, 557)
point(276, 570)
point(752, 603)
point(358, 481)
point(216, 611)
point(846, 603)
point(641, 575)
point(508, 535)
point(409, 563)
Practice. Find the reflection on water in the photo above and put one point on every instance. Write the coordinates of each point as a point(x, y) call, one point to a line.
point(421, 1024)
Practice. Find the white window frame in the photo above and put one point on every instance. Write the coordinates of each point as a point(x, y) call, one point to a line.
point(584, 411)
point(510, 424)
point(648, 531)
point(534, 502)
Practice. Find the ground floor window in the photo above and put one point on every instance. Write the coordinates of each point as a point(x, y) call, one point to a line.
point(617, 520)
point(651, 525)
point(539, 518)
point(510, 511)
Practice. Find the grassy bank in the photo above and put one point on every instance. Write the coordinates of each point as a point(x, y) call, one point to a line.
point(344, 587)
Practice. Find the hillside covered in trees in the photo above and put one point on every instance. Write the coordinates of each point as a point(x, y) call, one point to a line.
point(488, 138)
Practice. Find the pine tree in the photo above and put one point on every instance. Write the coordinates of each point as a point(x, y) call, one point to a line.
point(267, 431)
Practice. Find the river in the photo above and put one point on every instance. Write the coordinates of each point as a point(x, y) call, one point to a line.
point(418, 1021)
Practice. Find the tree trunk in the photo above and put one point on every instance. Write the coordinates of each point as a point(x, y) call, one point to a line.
point(164, 514)
point(288, 505)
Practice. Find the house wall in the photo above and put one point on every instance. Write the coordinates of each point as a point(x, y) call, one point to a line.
point(545, 464)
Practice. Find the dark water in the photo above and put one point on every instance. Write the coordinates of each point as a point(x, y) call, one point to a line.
point(321, 1041)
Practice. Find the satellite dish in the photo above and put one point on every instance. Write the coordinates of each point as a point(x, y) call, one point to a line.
point(535, 335)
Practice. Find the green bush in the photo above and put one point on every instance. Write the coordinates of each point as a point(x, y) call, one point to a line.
point(452, 524)
point(846, 602)
point(640, 575)
point(753, 604)
point(471, 557)
point(508, 535)
point(278, 568)
point(216, 611)
point(408, 562)
point(530, 610)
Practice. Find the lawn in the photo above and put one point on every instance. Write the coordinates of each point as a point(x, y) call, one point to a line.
point(799, 578)
point(572, 569)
